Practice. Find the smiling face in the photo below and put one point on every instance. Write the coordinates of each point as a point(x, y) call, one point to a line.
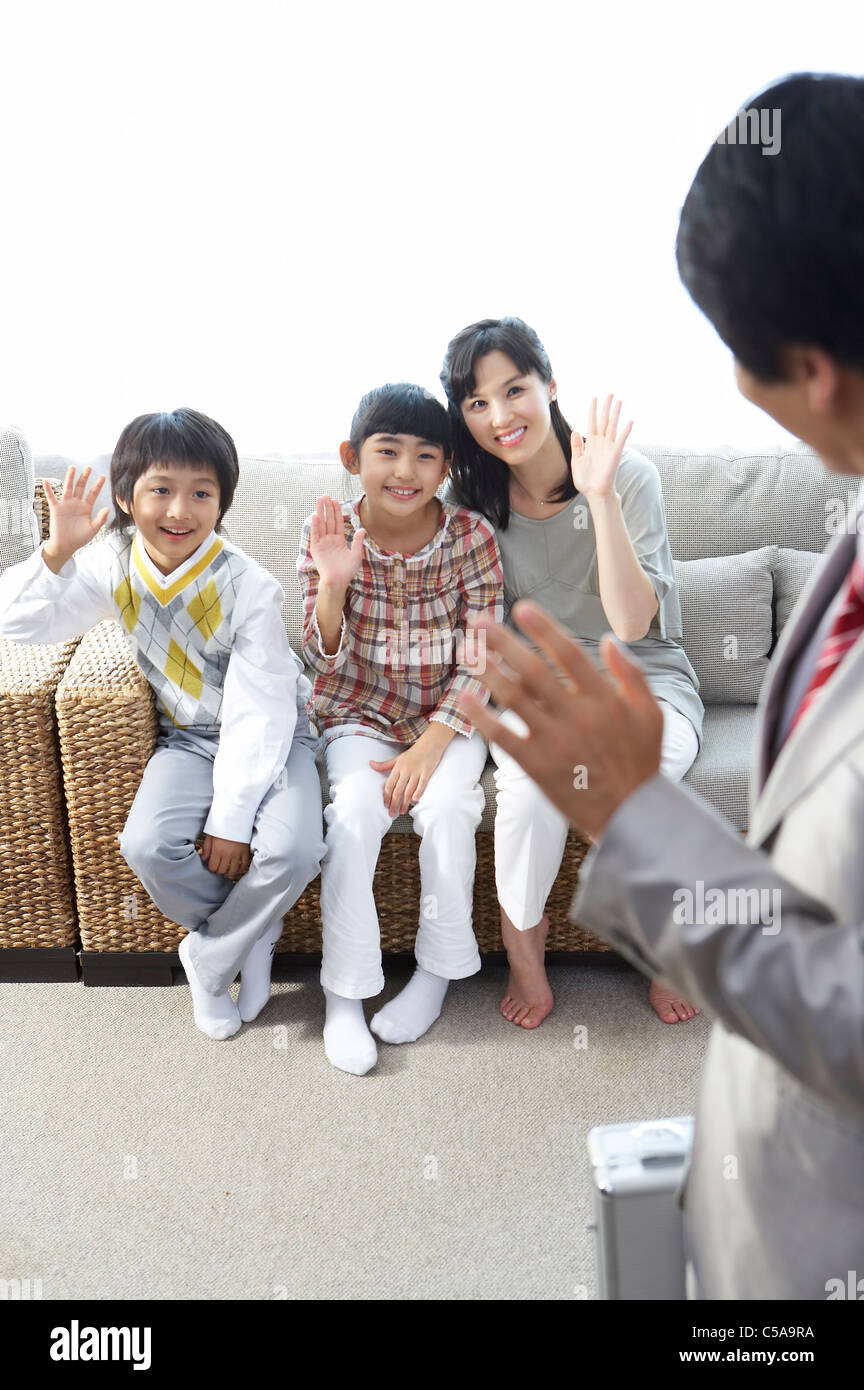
point(400, 474)
point(508, 411)
point(175, 509)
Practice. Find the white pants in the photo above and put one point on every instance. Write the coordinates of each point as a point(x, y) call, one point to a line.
point(446, 818)
point(530, 833)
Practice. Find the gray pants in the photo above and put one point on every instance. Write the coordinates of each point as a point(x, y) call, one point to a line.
point(167, 816)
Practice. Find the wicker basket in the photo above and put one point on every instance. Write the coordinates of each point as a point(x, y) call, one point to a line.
point(107, 724)
point(37, 896)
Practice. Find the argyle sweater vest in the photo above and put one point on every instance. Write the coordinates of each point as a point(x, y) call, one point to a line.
point(181, 636)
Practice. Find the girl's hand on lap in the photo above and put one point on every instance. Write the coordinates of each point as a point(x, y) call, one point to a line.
point(335, 562)
point(231, 858)
point(409, 775)
point(595, 461)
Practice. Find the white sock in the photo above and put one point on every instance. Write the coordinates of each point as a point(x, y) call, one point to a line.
point(415, 1008)
point(347, 1041)
point(215, 1014)
point(255, 974)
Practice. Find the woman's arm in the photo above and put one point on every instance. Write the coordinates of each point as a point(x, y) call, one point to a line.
point(627, 594)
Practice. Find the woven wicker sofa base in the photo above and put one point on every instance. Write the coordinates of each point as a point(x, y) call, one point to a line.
point(37, 895)
point(108, 727)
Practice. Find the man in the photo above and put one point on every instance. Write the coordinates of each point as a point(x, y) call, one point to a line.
point(772, 249)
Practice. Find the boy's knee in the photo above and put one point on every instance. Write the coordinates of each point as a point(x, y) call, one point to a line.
point(135, 846)
point(144, 851)
point(287, 865)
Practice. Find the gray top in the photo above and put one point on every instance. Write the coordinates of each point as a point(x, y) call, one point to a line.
point(554, 563)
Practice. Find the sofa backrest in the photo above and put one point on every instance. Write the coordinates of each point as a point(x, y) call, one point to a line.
point(719, 501)
point(723, 501)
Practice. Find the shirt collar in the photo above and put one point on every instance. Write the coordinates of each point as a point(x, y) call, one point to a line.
point(167, 581)
point(447, 510)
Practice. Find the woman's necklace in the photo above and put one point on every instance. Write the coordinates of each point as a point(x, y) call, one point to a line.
point(538, 501)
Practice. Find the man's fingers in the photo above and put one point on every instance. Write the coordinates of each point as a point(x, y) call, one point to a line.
point(494, 730)
point(533, 691)
point(515, 658)
point(558, 644)
point(625, 670)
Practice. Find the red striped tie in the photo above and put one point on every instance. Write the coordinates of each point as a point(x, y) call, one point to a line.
point(846, 628)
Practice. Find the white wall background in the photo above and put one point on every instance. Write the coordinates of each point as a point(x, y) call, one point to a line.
point(262, 209)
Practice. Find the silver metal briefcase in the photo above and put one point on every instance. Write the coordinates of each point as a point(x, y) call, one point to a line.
point(637, 1169)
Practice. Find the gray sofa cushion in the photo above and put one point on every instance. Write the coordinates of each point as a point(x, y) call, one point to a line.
point(791, 573)
point(721, 773)
point(727, 621)
point(19, 527)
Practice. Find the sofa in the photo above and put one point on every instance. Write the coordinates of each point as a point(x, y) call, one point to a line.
point(77, 720)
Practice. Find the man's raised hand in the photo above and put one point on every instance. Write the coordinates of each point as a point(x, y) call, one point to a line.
point(591, 741)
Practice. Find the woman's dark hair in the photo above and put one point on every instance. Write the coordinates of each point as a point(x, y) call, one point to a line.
point(771, 242)
point(401, 408)
point(184, 437)
point(480, 480)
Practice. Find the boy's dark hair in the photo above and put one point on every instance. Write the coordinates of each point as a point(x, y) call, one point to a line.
point(184, 437)
point(771, 246)
point(480, 480)
point(400, 408)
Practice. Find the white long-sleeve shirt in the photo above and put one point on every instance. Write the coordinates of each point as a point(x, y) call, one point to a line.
point(209, 638)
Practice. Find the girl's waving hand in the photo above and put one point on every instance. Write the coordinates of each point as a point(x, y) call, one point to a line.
point(335, 561)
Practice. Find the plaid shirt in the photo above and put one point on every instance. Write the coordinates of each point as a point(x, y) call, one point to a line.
point(396, 670)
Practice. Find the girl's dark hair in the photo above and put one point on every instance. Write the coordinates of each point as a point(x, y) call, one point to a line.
point(771, 243)
point(401, 408)
point(479, 479)
point(184, 437)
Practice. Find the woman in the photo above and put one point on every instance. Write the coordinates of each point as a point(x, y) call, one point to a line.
point(582, 530)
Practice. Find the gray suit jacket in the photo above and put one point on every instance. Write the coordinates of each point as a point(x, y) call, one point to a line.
point(774, 1198)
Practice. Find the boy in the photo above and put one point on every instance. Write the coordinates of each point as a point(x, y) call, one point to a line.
point(234, 756)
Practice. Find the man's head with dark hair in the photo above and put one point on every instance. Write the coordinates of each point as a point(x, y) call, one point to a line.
point(771, 248)
point(182, 437)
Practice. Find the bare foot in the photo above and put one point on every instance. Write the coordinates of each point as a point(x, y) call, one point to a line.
point(527, 998)
point(669, 1005)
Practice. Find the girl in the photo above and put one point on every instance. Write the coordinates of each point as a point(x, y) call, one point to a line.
point(582, 530)
point(389, 581)
point(234, 759)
